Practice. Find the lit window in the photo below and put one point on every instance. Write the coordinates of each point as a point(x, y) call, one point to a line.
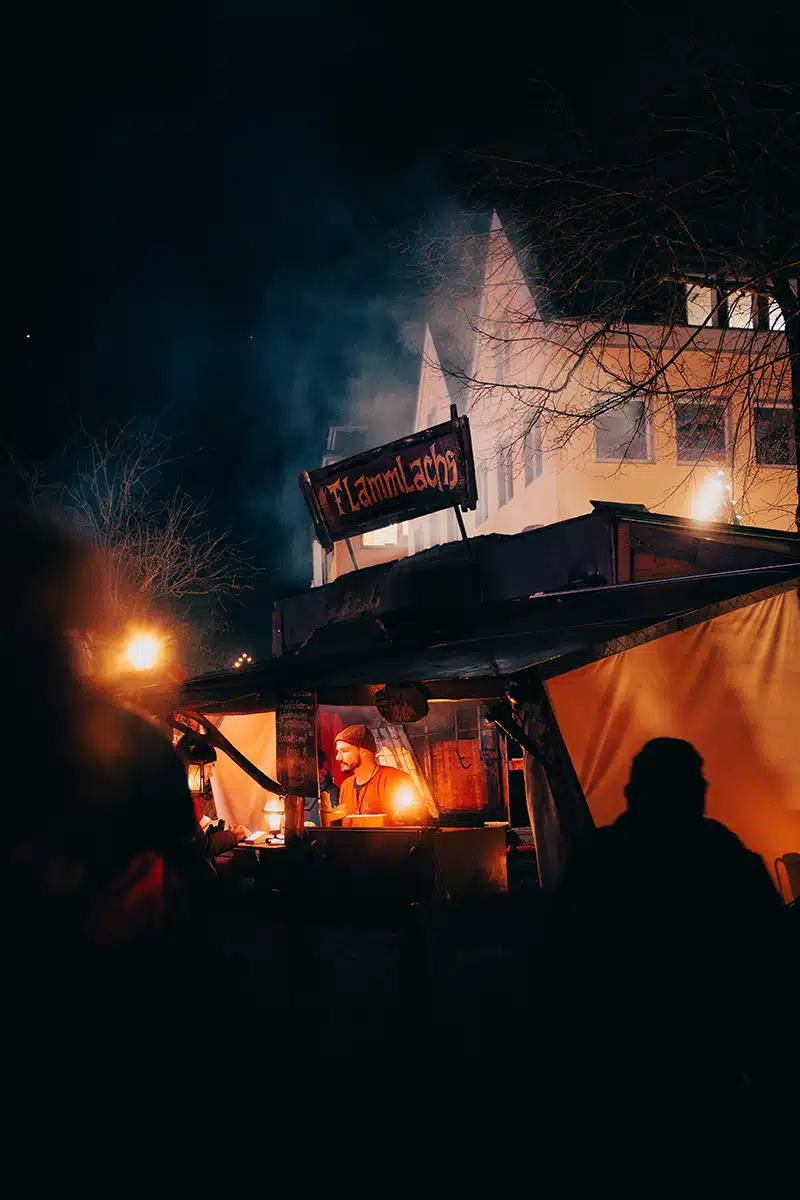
point(381, 537)
point(700, 305)
point(774, 436)
point(532, 452)
point(776, 317)
point(621, 433)
point(505, 476)
point(740, 310)
point(701, 431)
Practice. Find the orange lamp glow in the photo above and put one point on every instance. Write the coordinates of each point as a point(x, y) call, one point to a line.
point(273, 811)
point(143, 651)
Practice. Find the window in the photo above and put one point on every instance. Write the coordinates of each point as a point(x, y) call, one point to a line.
point(774, 436)
point(700, 305)
point(776, 317)
point(621, 433)
point(701, 430)
point(740, 310)
point(505, 476)
point(532, 453)
point(381, 537)
point(502, 350)
point(482, 509)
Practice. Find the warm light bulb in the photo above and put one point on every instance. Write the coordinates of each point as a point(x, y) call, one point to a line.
point(143, 652)
point(712, 498)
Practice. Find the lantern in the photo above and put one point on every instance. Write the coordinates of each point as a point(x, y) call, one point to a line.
point(274, 812)
point(198, 755)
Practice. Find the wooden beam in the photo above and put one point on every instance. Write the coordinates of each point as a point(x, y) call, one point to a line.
point(220, 742)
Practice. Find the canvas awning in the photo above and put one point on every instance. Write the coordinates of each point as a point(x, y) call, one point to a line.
point(473, 652)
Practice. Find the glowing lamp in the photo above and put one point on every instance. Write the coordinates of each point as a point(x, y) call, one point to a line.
point(405, 803)
point(714, 499)
point(198, 756)
point(274, 812)
point(143, 651)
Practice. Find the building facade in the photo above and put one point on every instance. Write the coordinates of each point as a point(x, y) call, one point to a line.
point(550, 436)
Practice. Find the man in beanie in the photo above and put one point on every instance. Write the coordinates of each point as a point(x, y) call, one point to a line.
point(372, 788)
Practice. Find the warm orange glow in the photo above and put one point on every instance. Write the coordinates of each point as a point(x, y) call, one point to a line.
point(143, 651)
point(194, 775)
point(273, 811)
point(406, 802)
point(713, 499)
point(404, 799)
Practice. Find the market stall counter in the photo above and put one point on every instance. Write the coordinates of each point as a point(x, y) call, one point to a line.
point(409, 863)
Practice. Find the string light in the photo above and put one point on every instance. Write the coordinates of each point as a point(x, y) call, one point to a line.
point(244, 660)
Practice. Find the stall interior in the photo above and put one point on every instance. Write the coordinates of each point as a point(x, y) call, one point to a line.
point(453, 758)
point(452, 755)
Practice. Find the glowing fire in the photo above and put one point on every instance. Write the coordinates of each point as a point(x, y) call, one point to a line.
point(143, 651)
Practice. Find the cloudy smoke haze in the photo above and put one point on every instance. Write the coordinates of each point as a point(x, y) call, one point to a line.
point(216, 216)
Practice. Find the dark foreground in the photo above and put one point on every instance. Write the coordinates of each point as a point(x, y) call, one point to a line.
point(387, 1049)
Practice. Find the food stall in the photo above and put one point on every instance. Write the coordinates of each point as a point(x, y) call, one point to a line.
point(566, 685)
point(487, 670)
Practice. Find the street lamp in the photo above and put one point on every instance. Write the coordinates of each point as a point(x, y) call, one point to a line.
point(143, 651)
point(244, 660)
point(714, 501)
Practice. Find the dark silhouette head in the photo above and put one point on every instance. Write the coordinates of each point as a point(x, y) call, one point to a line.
point(667, 781)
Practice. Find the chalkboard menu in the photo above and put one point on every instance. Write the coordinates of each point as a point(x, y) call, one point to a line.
point(296, 738)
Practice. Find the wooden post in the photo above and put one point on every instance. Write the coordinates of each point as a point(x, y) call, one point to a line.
point(294, 811)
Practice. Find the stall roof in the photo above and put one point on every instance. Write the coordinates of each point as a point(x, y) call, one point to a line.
point(583, 551)
point(472, 653)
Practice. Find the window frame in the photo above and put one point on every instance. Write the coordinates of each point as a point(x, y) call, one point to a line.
point(713, 321)
point(482, 507)
point(532, 456)
point(649, 456)
point(505, 476)
point(784, 406)
point(502, 353)
point(724, 404)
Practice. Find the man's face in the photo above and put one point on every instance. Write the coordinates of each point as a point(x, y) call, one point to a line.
point(348, 756)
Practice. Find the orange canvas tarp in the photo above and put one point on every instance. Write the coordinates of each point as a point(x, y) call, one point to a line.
point(731, 686)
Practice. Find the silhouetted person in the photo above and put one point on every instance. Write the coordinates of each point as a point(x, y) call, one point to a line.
point(101, 808)
point(98, 819)
point(660, 961)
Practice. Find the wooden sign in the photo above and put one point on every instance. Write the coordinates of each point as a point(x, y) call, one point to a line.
point(401, 704)
point(408, 478)
point(296, 743)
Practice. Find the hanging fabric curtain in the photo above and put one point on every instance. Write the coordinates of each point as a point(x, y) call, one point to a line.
point(395, 750)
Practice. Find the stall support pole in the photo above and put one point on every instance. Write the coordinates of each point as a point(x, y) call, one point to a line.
point(352, 553)
point(293, 813)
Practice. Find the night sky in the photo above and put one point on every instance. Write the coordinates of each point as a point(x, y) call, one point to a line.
point(211, 208)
